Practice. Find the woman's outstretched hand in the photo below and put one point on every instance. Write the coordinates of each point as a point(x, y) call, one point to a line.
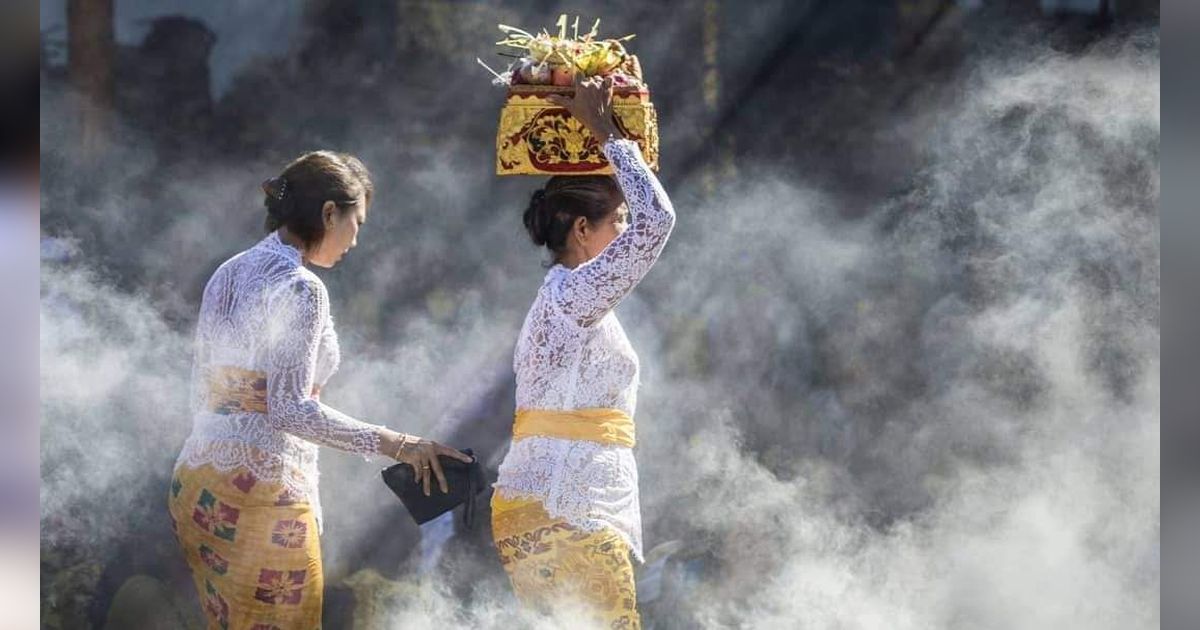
point(422, 455)
point(591, 105)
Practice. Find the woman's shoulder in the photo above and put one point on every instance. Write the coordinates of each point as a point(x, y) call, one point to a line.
point(297, 292)
point(248, 260)
point(552, 281)
point(552, 295)
point(257, 262)
point(303, 282)
point(226, 272)
point(555, 274)
point(274, 276)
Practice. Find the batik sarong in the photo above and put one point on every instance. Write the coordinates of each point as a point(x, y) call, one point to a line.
point(556, 566)
point(253, 550)
point(252, 545)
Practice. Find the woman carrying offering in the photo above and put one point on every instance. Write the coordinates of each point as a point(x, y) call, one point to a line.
point(566, 519)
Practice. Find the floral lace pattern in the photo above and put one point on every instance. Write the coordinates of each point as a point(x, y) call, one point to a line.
point(264, 311)
point(573, 354)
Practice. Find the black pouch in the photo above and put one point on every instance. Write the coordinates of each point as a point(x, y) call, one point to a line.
point(465, 482)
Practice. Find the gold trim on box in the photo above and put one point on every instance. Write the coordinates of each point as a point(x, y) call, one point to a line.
point(537, 137)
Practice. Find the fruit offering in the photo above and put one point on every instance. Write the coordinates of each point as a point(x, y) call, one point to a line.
point(547, 59)
point(537, 136)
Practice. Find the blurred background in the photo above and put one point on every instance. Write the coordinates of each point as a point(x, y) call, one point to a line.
point(900, 358)
point(18, 310)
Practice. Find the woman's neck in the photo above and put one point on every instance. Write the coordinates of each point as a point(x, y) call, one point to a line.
point(573, 257)
point(288, 238)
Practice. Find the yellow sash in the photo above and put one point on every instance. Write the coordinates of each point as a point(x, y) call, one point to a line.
point(607, 426)
point(234, 390)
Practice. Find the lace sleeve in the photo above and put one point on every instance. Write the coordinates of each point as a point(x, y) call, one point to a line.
point(298, 312)
point(595, 287)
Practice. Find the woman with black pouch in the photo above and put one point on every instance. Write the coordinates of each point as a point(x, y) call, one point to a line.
point(243, 500)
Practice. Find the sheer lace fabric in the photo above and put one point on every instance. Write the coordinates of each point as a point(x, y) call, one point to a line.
point(572, 353)
point(264, 311)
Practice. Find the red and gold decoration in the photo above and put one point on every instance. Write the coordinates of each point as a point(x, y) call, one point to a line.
point(537, 137)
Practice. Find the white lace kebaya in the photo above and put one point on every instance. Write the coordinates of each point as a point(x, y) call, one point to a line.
point(264, 311)
point(573, 354)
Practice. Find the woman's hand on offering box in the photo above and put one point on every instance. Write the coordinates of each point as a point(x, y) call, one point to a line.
point(591, 105)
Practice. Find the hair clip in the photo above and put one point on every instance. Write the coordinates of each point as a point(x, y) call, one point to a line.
point(275, 187)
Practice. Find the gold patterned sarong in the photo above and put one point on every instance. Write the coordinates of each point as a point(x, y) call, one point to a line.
point(554, 565)
point(252, 545)
point(551, 562)
point(252, 548)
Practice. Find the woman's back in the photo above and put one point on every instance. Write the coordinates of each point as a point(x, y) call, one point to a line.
point(246, 339)
point(234, 327)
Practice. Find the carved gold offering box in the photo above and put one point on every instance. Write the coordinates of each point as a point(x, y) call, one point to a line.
point(537, 137)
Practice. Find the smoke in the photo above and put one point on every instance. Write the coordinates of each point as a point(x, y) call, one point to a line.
point(943, 414)
point(990, 340)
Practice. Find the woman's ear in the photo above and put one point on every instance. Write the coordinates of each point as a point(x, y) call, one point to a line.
point(580, 227)
point(328, 213)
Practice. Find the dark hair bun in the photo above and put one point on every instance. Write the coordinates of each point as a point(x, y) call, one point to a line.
point(535, 218)
point(275, 187)
point(554, 209)
point(274, 190)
